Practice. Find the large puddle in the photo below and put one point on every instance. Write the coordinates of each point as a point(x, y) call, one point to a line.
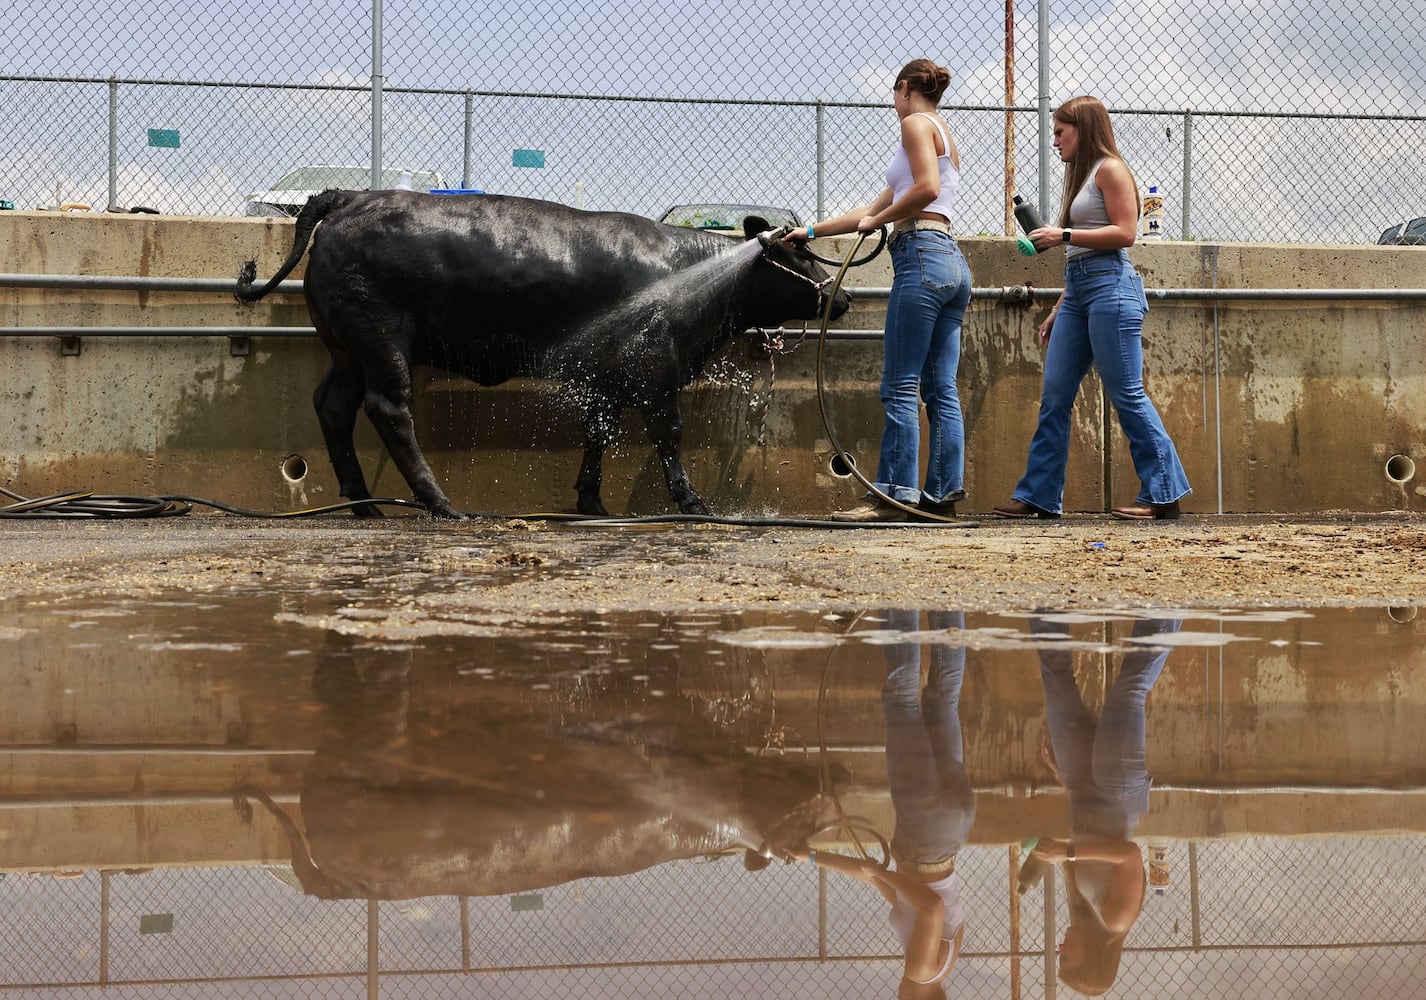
point(289, 794)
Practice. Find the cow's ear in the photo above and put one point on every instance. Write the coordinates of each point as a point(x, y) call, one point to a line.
point(754, 224)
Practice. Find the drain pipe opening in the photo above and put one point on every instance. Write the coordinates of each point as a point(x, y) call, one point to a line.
point(294, 469)
point(1400, 469)
point(839, 468)
point(1402, 614)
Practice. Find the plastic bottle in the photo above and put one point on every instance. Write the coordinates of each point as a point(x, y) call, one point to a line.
point(1029, 218)
point(1151, 223)
point(404, 182)
point(1158, 866)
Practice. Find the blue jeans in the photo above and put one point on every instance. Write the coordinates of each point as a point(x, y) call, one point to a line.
point(922, 350)
point(925, 755)
point(1100, 322)
point(1103, 761)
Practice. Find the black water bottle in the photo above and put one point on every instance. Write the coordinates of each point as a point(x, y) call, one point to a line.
point(1029, 218)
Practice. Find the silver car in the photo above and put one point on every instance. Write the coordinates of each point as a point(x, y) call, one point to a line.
point(286, 198)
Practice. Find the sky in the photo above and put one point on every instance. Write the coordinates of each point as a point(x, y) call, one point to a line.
point(1248, 179)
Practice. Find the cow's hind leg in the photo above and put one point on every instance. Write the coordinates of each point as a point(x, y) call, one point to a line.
point(601, 425)
point(665, 426)
point(337, 398)
point(388, 406)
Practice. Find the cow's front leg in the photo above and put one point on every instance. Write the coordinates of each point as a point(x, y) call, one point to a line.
point(665, 427)
point(601, 424)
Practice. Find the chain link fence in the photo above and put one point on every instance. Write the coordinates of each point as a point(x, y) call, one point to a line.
point(1243, 917)
point(1283, 121)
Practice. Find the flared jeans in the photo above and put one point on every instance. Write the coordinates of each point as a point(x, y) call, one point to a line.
point(1100, 322)
point(922, 350)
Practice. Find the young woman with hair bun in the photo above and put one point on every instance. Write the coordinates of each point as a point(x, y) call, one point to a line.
point(930, 291)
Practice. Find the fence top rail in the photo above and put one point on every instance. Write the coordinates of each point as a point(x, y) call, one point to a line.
point(737, 101)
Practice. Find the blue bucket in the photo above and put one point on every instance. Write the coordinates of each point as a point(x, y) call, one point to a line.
point(457, 191)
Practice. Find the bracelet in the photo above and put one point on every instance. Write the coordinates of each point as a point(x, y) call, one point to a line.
point(810, 232)
point(812, 857)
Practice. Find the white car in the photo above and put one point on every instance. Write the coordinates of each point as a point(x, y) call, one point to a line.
point(286, 198)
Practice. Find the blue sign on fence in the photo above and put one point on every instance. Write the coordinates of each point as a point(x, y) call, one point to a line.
point(528, 158)
point(166, 138)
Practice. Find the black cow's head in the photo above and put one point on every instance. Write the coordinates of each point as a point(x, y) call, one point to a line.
point(786, 282)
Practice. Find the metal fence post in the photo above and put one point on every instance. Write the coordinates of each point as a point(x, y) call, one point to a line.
point(376, 81)
point(373, 949)
point(113, 142)
point(821, 161)
point(465, 150)
point(1187, 188)
point(1043, 139)
point(1050, 934)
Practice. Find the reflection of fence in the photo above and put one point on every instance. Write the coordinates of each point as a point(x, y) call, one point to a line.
point(1328, 917)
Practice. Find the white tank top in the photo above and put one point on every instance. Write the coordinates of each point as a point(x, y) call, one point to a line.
point(903, 917)
point(899, 178)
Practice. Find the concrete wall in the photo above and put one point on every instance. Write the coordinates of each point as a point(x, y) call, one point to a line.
point(1283, 406)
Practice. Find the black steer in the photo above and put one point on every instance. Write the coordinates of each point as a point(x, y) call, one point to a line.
point(624, 309)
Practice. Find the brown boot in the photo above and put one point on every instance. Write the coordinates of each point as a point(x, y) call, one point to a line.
point(1148, 512)
point(1019, 510)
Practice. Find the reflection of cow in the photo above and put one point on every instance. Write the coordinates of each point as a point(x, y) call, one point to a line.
point(628, 310)
point(502, 797)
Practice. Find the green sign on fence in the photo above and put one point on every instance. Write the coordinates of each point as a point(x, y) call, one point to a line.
point(528, 158)
point(166, 138)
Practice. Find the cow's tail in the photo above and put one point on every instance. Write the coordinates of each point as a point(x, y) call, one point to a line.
point(313, 879)
point(317, 208)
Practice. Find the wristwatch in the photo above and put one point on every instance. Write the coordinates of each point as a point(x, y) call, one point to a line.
point(1065, 236)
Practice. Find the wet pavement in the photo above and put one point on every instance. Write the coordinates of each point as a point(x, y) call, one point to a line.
point(378, 787)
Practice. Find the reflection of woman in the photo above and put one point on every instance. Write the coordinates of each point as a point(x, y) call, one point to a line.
point(1104, 769)
point(934, 806)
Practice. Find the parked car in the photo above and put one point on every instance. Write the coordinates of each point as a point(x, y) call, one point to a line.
point(726, 217)
point(1411, 233)
point(286, 198)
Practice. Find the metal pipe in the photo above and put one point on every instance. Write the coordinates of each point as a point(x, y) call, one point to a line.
point(1007, 293)
point(158, 331)
point(129, 801)
point(134, 283)
point(150, 750)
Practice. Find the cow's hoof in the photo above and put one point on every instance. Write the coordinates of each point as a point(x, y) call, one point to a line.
point(448, 514)
point(697, 507)
point(368, 510)
point(591, 509)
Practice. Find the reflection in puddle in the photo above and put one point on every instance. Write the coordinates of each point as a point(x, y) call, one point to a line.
point(264, 793)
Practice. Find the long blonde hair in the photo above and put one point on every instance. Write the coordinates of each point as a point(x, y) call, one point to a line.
point(1090, 118)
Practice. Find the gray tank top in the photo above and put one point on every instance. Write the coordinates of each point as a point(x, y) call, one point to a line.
point(1087, 210)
